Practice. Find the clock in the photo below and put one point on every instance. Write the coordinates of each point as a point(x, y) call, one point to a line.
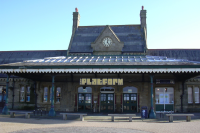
point(107, 41)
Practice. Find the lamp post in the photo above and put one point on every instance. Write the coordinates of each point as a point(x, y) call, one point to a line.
point(52, 111)
point(5, 109)
point(152, 114)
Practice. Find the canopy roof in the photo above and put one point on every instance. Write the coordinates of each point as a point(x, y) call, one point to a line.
point(102, 64)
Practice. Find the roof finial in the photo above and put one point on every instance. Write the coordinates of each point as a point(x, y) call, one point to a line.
point(76, 9)
point(142, 7)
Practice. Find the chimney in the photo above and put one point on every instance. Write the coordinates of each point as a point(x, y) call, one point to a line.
point(143, 17)
point(76, 19)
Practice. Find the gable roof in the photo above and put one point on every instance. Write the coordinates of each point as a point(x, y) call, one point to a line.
point(110, 31)
point(131, 35)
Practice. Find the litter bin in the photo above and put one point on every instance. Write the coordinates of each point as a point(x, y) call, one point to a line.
point(144, 113)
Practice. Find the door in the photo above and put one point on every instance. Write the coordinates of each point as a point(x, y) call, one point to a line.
point(107, 102)
point(84, 102)
point(2, 96)
point(129, 102)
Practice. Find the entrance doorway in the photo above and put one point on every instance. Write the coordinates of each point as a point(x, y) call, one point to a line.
point(84, 99)
point(164, 99)
point(129, 99)
point(107, 99)
point(2, 96)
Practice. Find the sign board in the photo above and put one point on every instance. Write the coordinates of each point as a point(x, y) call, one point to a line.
point(104, 81)
point(164, 81)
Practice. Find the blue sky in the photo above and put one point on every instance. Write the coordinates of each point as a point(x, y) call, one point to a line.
point(47, 24)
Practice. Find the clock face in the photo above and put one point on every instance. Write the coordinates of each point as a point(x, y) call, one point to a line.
point(107, 41)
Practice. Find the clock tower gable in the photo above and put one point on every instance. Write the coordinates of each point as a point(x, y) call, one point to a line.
point(107, 43)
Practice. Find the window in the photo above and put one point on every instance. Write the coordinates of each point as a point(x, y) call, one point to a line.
point(129, 89)
point(193, 94)
point(1, 91)
point(22, 93)
point(84, 90)
point(196, 94)
point(28, 94)
point(58, 92)
point(45, 94)
point(190, 98)
point(164, 95)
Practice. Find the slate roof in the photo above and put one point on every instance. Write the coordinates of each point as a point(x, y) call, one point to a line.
point(131, 35)
point(189, 54)
point(19, 56)
point(105, 60)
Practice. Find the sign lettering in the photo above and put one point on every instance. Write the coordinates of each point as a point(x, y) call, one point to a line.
point(104, 81)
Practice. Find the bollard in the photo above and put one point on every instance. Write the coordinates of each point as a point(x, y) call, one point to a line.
point(41, 112)
point(34, 112)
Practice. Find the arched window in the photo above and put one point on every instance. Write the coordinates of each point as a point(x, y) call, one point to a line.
point(129, 89)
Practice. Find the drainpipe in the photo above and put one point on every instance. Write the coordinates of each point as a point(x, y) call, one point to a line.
point(13, 92)
point(182, 96)
point(35, 95)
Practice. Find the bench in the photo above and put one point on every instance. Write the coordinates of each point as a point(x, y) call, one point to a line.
point(188, 116)
point(162, 113)
point(80, 114)
point(27, 114)
point(122, 115)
